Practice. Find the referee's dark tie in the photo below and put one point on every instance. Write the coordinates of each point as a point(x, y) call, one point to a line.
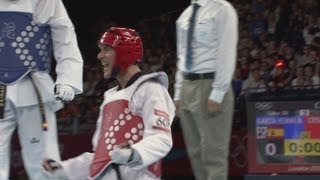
point(190, 35)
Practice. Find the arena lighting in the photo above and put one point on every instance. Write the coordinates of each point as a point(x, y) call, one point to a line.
point(280, 63)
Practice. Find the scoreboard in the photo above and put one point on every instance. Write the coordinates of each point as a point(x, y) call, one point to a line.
point(284, 136)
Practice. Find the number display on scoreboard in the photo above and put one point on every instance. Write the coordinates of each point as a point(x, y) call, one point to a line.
point(304, 147)
point(288, 136)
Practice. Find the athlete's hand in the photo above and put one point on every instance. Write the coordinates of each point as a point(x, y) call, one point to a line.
point(51, 165)
point(64, 92)
point(121, 154)
point(53, 169)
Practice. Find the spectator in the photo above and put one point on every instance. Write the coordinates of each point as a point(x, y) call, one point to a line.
point(298, 81)
point(311, 80)
point(254, 83)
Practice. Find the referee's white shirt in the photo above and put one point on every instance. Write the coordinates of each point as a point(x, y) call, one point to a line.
point(214, 45)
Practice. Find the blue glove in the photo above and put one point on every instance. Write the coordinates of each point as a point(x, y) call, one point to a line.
point(64, 92)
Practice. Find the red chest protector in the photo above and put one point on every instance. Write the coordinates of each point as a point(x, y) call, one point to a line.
point(118, 126)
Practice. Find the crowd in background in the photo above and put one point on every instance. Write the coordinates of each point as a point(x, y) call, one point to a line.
point(279, 48)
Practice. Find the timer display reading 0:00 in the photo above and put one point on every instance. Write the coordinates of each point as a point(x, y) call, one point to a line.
point(302, 147)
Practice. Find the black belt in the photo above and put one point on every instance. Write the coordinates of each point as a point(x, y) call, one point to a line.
point(41, 106)
point(198, 76)
point(2, 100)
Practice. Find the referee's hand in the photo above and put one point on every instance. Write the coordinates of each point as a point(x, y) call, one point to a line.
point(213, 106)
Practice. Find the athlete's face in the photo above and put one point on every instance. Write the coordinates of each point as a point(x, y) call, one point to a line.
point(107, 57)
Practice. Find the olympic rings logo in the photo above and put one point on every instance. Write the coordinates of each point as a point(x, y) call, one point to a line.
point(238, 151)
point(263, 105)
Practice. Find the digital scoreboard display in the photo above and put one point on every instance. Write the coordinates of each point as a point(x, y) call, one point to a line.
point(284, 137)
point(289, 135)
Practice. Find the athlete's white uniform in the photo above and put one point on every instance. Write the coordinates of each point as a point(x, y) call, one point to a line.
point(142, 114)
point(21, 108)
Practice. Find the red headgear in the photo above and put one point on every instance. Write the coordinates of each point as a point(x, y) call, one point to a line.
point(127, 44)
